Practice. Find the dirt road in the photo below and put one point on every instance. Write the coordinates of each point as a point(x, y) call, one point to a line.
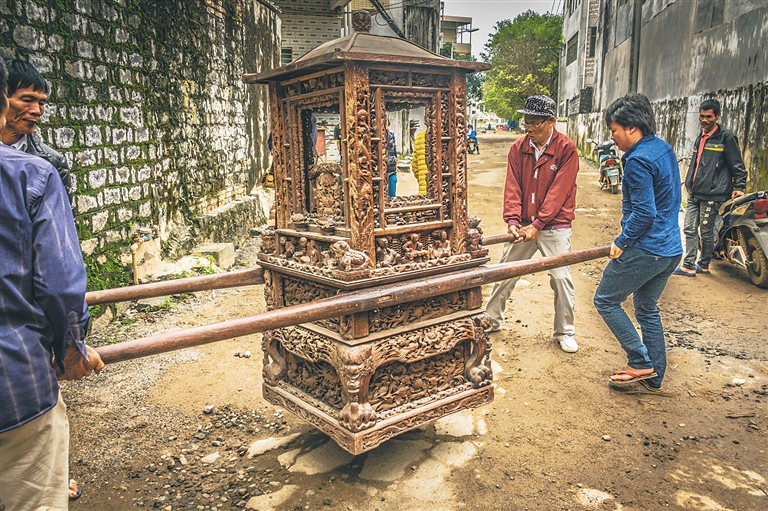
point(556, 437)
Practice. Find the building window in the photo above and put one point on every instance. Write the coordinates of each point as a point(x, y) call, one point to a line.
point(592, 40)
point(286, 56)
point(570, 49)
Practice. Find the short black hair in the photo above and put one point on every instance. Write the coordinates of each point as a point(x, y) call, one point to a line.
point(3, 86)
point(632, 110)
point(711, 104)
point(22, 74)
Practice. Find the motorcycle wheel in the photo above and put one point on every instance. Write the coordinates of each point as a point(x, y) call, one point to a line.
point(758, 266)
point(614, 189)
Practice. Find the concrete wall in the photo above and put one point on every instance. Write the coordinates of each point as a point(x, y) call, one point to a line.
point(745, 113)
point(688, 60)
point(148, 105)
point(689, 51)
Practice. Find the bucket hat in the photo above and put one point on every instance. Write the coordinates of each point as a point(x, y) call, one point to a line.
point(542, 106)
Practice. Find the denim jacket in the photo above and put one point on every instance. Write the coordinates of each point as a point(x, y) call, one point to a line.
point(651, 199)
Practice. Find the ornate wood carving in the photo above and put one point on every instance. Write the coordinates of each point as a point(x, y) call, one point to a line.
point(364, 377)
point(459, 159)
point(357, 98)
point(282, 192)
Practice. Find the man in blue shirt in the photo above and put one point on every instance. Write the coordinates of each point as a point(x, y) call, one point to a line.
point(43, 318)
point(649, 247)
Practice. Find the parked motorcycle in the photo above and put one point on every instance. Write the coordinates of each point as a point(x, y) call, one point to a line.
point(611, 169)
point(742, 235)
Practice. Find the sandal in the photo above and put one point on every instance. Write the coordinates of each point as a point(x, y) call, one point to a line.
point(701, 269)
point(633, 377)
point(679, 271)
point(79, 493)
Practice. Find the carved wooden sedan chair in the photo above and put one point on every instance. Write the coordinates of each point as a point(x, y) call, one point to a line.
point(367, 377)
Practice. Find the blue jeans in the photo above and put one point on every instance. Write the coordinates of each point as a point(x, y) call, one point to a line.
point(643, 275)
point(392, 181)
point(700, 218)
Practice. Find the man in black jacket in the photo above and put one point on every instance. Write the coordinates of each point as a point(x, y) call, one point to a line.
point(715, 175)
point(27, 94)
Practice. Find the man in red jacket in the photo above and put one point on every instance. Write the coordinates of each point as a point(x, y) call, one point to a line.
point(539, 203)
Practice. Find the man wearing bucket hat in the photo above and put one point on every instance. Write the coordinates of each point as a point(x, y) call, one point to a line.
point(539, 204)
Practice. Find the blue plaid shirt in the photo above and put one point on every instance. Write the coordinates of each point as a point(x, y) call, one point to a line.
point(42, 286)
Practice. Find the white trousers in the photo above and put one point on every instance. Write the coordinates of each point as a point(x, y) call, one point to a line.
point(34, 463)
point(553, 242)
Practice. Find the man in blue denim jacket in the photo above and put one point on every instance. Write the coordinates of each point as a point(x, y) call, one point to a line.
point(649, 247)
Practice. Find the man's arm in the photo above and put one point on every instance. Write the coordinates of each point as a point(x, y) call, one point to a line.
point(639, 179)
point(59, 278)
point(735, 165)
point(562, 185)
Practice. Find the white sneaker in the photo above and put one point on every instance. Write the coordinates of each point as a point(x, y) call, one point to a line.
point(568, 344)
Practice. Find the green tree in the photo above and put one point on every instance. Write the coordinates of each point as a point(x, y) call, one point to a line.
point(474, 80)
point(524, 55)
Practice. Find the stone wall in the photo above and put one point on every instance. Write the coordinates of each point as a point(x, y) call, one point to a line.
point(148, 105)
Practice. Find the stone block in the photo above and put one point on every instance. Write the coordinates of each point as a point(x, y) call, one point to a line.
point(132, 153)
point(89, 93)
point(87, 157)
point(75, 69)
point(99, 221)
point(122, 175)
point(145, 209)
point(131, 115)
point(65, 137)
point(86, 203)
point(28, 37)
point(222, 253)
point(104, 113)
point(84, 49)
point(121, 35)
point(125, 76)
point(100, 74)
point(78, 112)
point(112, 196)
point(97, 178)
point(84, 7)
point(111, 155)
point(92, 135)
point(42, 63)
point(55, 42)
point(88, 246)
point(119, 135)
point(124, 214)
point(135, 193)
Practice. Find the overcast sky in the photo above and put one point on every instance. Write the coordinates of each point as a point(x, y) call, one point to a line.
point(485, 14)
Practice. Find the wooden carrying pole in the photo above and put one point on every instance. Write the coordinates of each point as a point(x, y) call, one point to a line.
point(238, 278)
point(349, 303)
point(171, 287)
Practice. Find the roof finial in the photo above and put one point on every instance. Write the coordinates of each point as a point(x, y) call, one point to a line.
point(361, 21)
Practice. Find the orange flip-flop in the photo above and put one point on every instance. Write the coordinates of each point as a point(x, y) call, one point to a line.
point(634, 377)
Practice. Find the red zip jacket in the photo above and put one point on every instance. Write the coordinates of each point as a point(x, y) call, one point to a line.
point(541, 193)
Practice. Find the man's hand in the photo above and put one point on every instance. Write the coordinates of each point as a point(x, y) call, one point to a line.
point(76, 367)
point(529, 233)
point(615, 252)
point(514, 231)
point(736, 193)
